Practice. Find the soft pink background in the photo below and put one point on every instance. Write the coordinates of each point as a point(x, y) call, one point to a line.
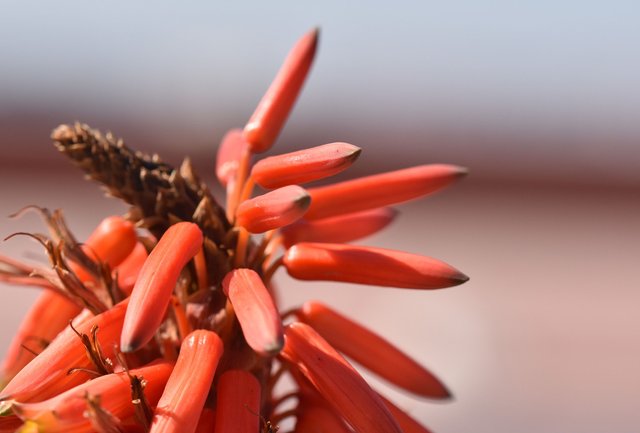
point(539, 101)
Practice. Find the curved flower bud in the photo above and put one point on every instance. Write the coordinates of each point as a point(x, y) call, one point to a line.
point(129, 269)
point(368, 265)
point(338, 229)
point(152, 291)
point(238, 404)
point(256, 312)
point(336, 380)
point(228, 159)
point(274, 107)
point(381, 189)
point(304, 165)
point(48, 373)
point(407, 423)
point(112, 241)
point(370, 350)
point(273, 210)
point(188, 386)
point(65, 413)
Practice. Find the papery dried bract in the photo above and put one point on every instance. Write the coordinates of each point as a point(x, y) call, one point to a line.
point(157, 279)
point(368, 265)
point(337, 381)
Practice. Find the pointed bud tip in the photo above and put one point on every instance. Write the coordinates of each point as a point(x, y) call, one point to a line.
point(459, 278)
point(129, 346)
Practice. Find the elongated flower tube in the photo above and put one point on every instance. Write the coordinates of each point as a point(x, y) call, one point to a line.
point(231, 148)
point(238, 403)
point(48, 373)
point(188, 386)
point(151, 294)
point(371, 350)
point(338, 229)
point(218, 268)
point(49, 314)
point(305, 165)
point(65, 413)
point(368, 265)
point(272, 111)
point(273, 210)
point(337, 381)
point(381, 189)
point(257, 314)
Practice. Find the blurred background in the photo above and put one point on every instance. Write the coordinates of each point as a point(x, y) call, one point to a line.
point(539, 99)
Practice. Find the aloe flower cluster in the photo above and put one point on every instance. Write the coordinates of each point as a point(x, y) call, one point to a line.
point(166, 319)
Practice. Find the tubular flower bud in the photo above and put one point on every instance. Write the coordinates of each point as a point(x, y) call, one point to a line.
point(65, 413)
point(238, 405)
point(229, 153)
point(381, 189)
point(304, 165)
point(257, 314)
point(272, 111)
point(338, 229)
point(371, 351)
point(337, 381)
point(188, 386)
point(272, 210)
point(152, 291)
point(216, 267)
point(49, 374)
point(368, 265)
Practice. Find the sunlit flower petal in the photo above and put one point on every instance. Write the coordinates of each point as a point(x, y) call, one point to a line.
point(188, 386)
point(272, 210)
point(257, 314)
point(151, 294)
point(238, 404)
point(305, 165)
point(381, 189)
point(368, 265)
point(338, 382)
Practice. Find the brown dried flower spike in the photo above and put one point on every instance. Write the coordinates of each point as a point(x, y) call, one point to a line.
point(173, 326)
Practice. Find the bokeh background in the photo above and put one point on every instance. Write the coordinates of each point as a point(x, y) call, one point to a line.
point(539, 99)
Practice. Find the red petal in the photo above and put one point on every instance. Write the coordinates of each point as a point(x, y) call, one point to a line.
point(272, 111)
point(151, 294)
point(256, 312)
point(273, 210)
point(304, 165)
point(380, 190)
point(338, 382)
point(368, 265)
point(371, 351)
point(238, 404)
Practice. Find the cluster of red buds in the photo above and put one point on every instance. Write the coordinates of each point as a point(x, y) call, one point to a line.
point(166, 319)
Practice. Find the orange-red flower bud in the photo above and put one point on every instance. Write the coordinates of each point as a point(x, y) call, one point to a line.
point(129, 269)
point(336, 380)
point(338, 229)
point(112, 241)
point(274, 107)
point(319, 419)
point(380, 189)
point(370, 350)
point(368, 265)
point(256, 312)
point(207, 421)
point(273, 210)
point(47, 374)
point(407, 423)
point(188, 386)
point(158, 276)
point(49, 314)
point(238, 403)
point(304, 165)
point(65, 413)
point(229, 153)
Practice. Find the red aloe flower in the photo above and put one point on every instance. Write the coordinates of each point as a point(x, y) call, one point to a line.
point(194, 287)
